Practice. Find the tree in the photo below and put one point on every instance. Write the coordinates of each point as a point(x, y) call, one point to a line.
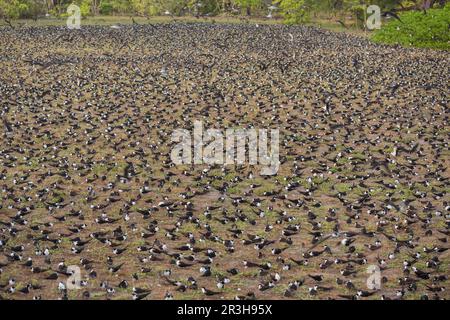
point(293, 11)
point(204, 7)
point(249, 5)
point(12, 9)
point(145, 7)
point(31, 8)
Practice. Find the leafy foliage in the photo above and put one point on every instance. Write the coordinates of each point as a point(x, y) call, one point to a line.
point(416, 29)
point(12, 9)
point(106, 8)
point(294, 11)
point(430, 30)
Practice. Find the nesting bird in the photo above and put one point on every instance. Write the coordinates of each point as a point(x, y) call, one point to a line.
point(86, 175)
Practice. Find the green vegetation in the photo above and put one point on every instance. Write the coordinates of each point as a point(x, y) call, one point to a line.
point(417, 28)
point(430, 30)
point(292, 11)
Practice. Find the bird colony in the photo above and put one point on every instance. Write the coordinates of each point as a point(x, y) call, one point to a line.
point(92, 206)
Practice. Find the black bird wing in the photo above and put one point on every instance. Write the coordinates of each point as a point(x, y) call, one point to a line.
point(392, 14)
point(7, 125)
point(342, 24)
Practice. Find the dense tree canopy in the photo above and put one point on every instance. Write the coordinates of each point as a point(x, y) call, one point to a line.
point(294, 11)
